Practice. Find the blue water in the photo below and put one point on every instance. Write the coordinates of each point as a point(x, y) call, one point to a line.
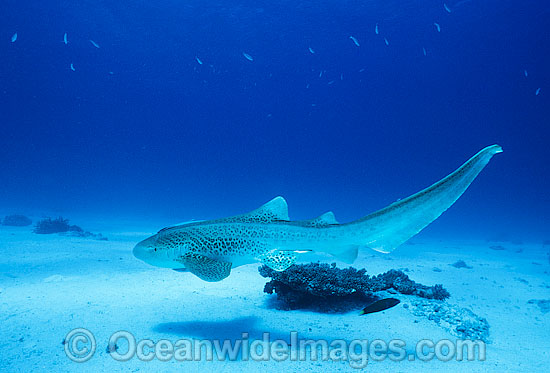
point(140, 129)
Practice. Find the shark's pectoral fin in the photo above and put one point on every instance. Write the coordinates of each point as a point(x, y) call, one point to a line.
point(279, 260)
point(205, 268)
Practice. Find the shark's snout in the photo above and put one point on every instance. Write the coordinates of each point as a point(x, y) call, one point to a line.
point(140, 252)
point(148, 252)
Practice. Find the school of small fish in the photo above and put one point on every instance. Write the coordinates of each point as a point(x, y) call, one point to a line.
point(249, 57)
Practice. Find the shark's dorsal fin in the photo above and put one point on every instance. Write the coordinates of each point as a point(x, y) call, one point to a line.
point(321, 221)
point(274, 210)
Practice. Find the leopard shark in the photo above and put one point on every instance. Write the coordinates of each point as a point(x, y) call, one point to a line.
point(210, 249)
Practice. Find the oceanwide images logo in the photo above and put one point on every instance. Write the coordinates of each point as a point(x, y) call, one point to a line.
point(80, 346)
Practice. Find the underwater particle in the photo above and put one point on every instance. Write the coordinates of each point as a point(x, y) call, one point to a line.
point(311, 50)
point(198, 60)
point(16, 221)
point(376, 31)
point(14, 38)
point(544, 304)
point(320, 73)
point(424, 51)
point(446, 8)
point(72, 67)
point(248, 57)
point(94, 44)
point(342, 76)
point(437, 26)
point(461, 264)
point(380, 305)
point(386, 41)
point(65, 40)
point(537, 92)
point(355, 41)
point(525, 73)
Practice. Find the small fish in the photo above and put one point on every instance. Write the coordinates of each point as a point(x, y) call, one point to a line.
point(321, 73)
point(355, 41)
point(437, 26)
point(311, 50)
point(424, 51)
point(198, 60)
point(248, 57)
point(94, 44)
point(386, 41)
point(446, 8)
point(14, 38)
point(380, 305)
point(525, 73)
point(537, 92)
point(65, 40)
point(72, 67)
point(376, 31)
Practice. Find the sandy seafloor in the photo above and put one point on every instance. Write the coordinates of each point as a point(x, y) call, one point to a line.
point(51, 284)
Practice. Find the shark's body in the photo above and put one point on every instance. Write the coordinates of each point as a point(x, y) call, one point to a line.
point(209, 249)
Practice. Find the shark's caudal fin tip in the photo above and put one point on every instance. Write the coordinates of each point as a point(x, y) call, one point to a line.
point(494, 149)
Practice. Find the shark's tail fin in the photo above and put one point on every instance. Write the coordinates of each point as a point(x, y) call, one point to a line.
point(388, 228)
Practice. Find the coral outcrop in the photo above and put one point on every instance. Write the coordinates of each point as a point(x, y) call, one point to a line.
point(325, 288)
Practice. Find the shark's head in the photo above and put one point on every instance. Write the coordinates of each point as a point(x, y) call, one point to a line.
point(153, 253)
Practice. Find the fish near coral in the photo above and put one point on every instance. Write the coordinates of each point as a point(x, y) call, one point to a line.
point(380, 305)
point(210, 249)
